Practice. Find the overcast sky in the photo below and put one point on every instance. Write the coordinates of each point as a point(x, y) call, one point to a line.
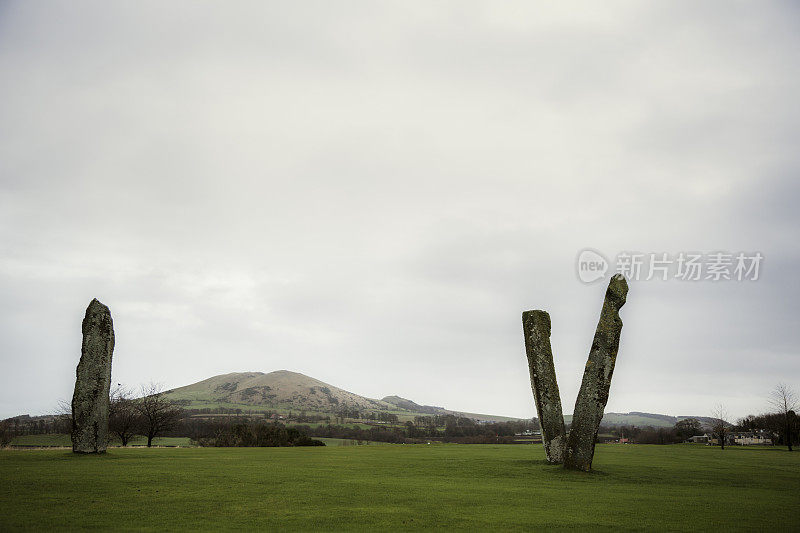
point(371, 193)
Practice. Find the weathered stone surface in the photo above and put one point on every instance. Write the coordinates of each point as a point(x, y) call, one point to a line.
point(93, 381)
point(536, 327)
point(593, 395)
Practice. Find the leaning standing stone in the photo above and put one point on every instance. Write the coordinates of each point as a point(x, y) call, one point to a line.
point(593, 395)
point(93, 381)
point(536, 327)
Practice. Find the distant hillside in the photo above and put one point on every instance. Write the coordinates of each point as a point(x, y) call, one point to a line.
point(408, 405)
point(639, 419)
point(277, 390)
point(283, 390)
point(413, 407)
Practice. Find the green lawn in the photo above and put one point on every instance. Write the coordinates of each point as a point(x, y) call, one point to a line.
point(348, 442)
point(468, 487)
point(64, 440)
point(347, 424)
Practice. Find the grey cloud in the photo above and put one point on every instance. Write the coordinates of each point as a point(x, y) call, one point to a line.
point(372, 193)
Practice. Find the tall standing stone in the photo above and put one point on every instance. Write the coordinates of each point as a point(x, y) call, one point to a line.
point(536, 327)
point(93, 382)
point(593, 395)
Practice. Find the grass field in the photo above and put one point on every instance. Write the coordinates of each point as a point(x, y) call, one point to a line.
point(392, 487)
point(349, 442)
point(65, 440)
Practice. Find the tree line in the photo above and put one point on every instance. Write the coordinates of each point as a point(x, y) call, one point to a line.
point(150, 415)
point(247, 433)
point(781, 425)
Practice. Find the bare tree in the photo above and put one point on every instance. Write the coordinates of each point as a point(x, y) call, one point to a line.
point(5, 433)
point(719, 424)
point(157, 413)
point(784, 400)
point(124, 419)
point(63, 417)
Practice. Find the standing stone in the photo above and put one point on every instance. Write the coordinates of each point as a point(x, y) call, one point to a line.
point(93, 382)
point(536, 327)
point(593, 395)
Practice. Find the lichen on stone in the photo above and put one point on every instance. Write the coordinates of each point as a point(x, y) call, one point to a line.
point(90, 400)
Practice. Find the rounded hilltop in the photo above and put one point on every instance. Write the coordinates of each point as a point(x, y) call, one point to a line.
point(280, 389)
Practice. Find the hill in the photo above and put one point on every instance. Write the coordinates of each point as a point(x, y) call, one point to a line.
point(277, 390)
point(284, 391)
point(408, 405)
point(639, 419)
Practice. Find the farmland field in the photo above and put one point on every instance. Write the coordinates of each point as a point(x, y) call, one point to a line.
point(348, 442)
point(390, 487)
point(65, 440)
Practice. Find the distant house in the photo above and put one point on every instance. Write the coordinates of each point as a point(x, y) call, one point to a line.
point(748, 438)
point(739, 438)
